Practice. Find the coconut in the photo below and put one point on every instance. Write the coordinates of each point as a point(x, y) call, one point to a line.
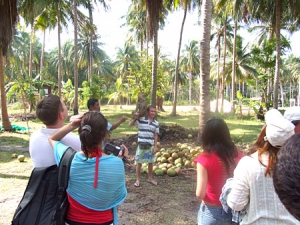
point(187, 164)
point(159, 172)
point(171, 172)
point(21, 158)
point(160, 166)
point(180, 154)
point(170, 160)
point(164, 160)
point(178, 165)
point(175, 155)
point(179, 160)
point(164, 170)
point(166, 155)
point(169, 165)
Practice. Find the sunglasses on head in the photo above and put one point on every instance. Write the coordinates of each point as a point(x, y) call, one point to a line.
point(295, 122)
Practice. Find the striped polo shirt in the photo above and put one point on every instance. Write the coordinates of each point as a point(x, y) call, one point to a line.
point(147, 130)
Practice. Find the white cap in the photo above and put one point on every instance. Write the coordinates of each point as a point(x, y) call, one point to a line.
point(278, 128)
point(292, 113)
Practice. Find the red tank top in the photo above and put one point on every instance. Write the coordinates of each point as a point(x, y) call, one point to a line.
point(79, 213)
point(216, 175)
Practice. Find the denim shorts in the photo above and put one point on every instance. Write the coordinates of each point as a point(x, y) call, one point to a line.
point(212, 215)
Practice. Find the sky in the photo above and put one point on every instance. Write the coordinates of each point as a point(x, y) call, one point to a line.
point(113, 35)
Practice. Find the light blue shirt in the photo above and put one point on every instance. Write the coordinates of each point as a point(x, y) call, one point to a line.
point(111, 187)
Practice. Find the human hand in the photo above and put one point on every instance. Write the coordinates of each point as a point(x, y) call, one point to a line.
point(123, 119)
point(126, 152)
point(136, 115)
point(154, 150)
point(76, 120)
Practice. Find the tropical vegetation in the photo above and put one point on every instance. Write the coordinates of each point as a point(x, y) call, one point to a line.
point(79, 68)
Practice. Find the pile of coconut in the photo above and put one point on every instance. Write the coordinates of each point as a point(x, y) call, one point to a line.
point(171, 161)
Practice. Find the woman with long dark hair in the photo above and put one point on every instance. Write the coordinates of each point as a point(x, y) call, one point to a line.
point(214, 166)
point(97, 180)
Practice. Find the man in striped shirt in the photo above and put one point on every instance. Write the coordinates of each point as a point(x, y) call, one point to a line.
point(147, 142)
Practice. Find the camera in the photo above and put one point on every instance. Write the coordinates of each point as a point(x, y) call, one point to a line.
point(112, 149)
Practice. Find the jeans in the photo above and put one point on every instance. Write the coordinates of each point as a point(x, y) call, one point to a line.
point(212, 215)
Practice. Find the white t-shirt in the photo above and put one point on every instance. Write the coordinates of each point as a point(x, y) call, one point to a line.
point(40, 150)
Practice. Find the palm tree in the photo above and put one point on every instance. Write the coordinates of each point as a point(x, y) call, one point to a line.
point(204, 113)
point(154, 8)
point(190, 63)
point(278, 13)
point(29, 10)
point(126, 59)
point(89, 6)
point(187, 5)
point(136, 20)
point(75, 109)
point(44, 21)
point(8, 19)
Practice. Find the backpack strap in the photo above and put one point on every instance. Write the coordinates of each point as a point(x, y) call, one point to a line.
point(64, 167)
point(63, 178)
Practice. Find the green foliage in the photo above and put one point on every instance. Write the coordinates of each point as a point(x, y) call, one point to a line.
point(26, 90)
point(68, 93)
point(96, 90)
point(120, 92)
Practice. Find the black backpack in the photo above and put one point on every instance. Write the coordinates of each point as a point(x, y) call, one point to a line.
point(45, 200)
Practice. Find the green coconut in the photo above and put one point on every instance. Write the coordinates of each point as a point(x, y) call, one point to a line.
point(159, 172)
point(171, 172)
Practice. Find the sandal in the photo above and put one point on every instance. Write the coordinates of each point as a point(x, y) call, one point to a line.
point(152, 182)
point(137, 184)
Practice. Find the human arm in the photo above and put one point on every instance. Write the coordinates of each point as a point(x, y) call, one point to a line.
point(115, 125)
point(60, 133)
point(135, 117)
point(155, 143)
point(201, 181)
point(239, 195)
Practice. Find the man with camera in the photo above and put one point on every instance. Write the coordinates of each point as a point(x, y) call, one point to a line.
point(147, 142)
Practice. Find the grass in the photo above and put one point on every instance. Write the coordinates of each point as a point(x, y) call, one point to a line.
point(14, 175)
point(242, 130)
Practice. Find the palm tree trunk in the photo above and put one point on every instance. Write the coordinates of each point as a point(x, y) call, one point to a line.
point(233, 68)
point(42, 55)
point(282, 94)
point(204, 112)
point(6, 125)
point(75, 110)
point(190, 88)
point(90, 66)
point(154, 69)
point(59, 75)
point(224, 66)
point(31, 50)
point(218, 80)
point(177, 64)
point(278, 52)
